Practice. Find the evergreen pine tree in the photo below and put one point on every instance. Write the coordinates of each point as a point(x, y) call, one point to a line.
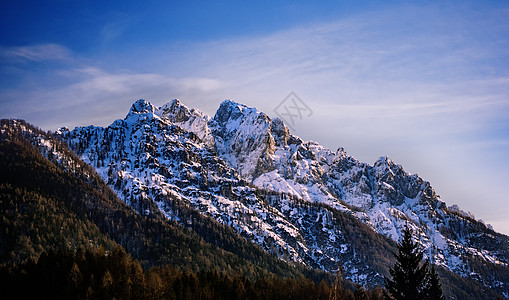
point(434, 288)
point(409, 275)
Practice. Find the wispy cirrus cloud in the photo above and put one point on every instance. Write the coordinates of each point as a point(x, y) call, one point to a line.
point(38, 53)
point(100, 81)
point(117, 25)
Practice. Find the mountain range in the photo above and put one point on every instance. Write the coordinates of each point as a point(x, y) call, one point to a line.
point(245, 173)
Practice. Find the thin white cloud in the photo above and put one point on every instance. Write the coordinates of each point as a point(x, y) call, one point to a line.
point(39, 53)
point(99, 81)
point(117, 25)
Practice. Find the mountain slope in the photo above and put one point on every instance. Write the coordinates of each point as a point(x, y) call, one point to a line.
point(296, 199)
point(149, 160)
point(60, 203)
point(383, 196)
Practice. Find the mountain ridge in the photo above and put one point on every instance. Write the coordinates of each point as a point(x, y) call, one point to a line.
point(219, 164)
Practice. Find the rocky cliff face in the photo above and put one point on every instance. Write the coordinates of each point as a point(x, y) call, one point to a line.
point(297, 199)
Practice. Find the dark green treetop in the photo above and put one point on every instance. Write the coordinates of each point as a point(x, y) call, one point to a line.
point(412, 278)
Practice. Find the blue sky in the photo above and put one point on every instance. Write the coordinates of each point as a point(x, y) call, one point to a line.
point(426, 83)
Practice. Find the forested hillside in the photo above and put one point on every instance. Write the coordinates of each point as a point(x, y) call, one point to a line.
point(46, 206)
point(94, 275)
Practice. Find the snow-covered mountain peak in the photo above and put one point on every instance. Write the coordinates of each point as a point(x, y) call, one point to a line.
point(384, 162)
point(191, 120)
point(140, 110)
point(142, 106)
point(175, 111)
point(243, 137)
point(231, 113)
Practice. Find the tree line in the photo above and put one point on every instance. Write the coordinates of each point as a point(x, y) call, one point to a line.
point(99, 274)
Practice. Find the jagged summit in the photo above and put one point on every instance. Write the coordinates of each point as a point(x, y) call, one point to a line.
point(231, 105)
point(231, 111)
point(142, 107)
point(175, 111)
point(384, 160)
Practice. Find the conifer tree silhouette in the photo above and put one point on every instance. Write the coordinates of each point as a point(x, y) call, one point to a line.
point(412, 279)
